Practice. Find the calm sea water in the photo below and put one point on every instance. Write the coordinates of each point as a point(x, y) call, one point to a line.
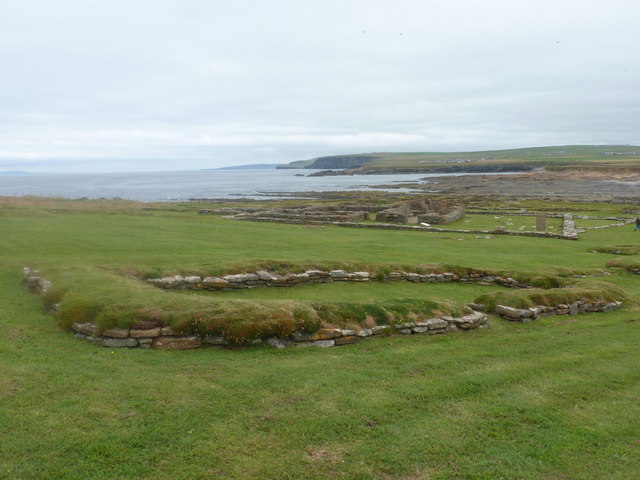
point(159, 186)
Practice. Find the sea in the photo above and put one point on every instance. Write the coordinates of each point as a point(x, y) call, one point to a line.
point(198, 184)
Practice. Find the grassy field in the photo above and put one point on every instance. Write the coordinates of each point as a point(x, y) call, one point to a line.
point(557, 398)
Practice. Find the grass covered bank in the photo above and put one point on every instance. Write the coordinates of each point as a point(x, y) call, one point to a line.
point(556, 398)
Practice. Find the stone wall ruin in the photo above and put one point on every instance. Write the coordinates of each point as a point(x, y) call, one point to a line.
point(155, 334)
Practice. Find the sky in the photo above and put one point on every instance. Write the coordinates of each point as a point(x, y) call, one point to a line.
point(145, 85)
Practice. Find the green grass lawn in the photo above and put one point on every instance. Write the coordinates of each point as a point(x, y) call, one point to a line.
point(344, 292)
point(187, 241)
point(557, 398)
point(508, 222)
point(520, 223)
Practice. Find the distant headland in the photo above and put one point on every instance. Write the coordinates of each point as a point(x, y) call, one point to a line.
point(520, 159)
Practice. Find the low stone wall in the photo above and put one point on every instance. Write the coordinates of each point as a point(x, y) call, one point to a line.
point(507, 213)
point(279, 216)
point(569, 231)
point(418, 210)
point(154, 335)
point(442, 218)
point(529, 314)
point(600, 227)
point(304, 213)
point(262, 278)
point(310, 209)
point(568, 224)
point(34, 282)
point(415, 228)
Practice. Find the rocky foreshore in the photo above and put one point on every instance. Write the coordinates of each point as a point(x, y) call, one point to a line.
point(464, 168)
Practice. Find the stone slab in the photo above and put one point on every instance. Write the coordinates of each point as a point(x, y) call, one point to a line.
point(324, 334)
point(152, 332)
point(118, 342)
point(347, 340)
point(177, 343)
point(84, 328)
point(116, 333)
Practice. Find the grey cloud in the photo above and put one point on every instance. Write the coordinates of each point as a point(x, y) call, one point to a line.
point(129, 84)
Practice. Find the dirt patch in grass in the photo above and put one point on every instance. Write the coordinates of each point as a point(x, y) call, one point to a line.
point(324, 453)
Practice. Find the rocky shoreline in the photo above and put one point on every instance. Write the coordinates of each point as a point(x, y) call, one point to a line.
point(427, 170)
point(573, 185)
point(543, 185)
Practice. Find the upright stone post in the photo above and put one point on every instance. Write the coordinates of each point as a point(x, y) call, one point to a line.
point(541, 222)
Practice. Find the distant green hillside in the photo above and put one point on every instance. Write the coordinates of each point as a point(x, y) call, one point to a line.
point(297, 164)
point(587, 156)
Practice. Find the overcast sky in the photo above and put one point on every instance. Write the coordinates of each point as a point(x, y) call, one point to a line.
point(116, 85)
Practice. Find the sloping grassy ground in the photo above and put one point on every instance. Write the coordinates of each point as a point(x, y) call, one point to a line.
point(552, 399)
point(583, 156)
point(586, 290)
point(93, 293)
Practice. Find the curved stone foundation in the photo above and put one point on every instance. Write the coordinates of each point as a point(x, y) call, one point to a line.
point(155, 334)
point(528, 314)
point(165, 338)
point(263, 278)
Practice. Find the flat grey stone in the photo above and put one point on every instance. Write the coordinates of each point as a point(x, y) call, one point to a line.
point(345, 333)
point(401, 326)
point(277, 342)
point(378, 329)
point(116, 333)
point(152, 332)
point(513, 312)
point(118, 342)
point(347, 340)
point(301, 337)
point(215, 340)
point(610, 307)
point(436, 323)
point(84, 328)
